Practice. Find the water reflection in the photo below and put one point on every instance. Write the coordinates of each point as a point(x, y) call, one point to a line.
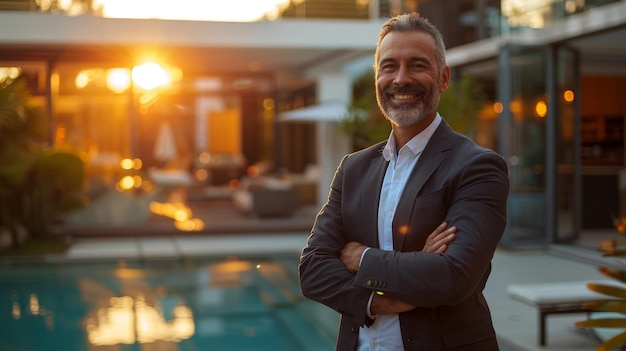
point(232, 304)
point(146, 313)
point(129, 320)
point(149, 314)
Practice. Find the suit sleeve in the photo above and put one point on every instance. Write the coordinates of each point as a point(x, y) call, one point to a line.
point(477, 206)
point(323, 277)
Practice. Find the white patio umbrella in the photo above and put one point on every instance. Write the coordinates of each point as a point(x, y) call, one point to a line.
point(330, 111)
point(165, 144)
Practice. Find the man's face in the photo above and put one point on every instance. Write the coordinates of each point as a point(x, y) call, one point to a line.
point(408, 78)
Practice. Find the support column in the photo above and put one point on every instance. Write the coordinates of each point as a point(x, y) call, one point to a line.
point(332, 145)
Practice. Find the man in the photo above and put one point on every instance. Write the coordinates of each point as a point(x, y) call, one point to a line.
point(365, 257)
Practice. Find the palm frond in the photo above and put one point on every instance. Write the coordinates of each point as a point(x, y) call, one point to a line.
point(609, 290)
point(602, 323)
point(618, 306)
point(613, 343)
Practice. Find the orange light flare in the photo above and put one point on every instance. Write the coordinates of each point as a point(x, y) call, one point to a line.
point(190, 225)
point(150, 75)
point(620, 225)
point(181, 214)
point(568, 95)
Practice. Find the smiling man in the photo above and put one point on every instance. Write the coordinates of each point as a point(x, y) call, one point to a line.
point(385, 251)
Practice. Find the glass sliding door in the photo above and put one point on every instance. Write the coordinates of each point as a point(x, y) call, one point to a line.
point(522, 92)
point(565, 94)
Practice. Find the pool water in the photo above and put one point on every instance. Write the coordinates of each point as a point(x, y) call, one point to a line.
point(230, 304)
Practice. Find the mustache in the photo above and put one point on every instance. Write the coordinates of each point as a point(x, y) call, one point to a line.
point(406, 89)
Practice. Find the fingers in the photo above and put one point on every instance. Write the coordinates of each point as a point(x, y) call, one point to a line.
point(445, 237)
point(439, 239)
point(440, 229)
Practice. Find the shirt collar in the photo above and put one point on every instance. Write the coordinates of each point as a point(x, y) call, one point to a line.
point(416, 144)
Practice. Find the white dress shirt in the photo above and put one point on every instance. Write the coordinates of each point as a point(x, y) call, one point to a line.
point(384, 334)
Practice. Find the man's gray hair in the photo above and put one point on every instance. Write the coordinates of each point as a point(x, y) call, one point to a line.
point(410, 22)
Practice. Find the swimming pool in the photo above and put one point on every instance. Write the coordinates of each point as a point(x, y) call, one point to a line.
point(227, 304)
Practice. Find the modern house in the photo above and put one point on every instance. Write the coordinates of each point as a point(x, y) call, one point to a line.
point(552, 72)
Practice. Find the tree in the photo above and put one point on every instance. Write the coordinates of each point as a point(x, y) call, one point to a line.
point(460, 104)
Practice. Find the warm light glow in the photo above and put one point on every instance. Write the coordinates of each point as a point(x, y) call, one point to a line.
point(127, 182)
point(60, 135)
point(16, 311)
point(129, 320)
point(150, 75)
point(524, 13)
point(515, 106)
point(126, 163)
point(204, 158)
point(201, 174)
point(568, 95)
point(230, 273)
point(137, 163)
point(34, 304)
point(190, 225)
point(268, 104)
point(82, 79)
point(9, 74)
point(541, 108)
point(194, 10)
point(118, 79)
point(138, 181)
point(497, 107)
point(253, 171)
point(129, 273)
point(181, 214)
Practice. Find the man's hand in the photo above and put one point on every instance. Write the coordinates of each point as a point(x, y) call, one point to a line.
point(386, 305)
point(438, 240)
point(351, 255)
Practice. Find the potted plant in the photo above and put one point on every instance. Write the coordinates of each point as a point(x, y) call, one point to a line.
point(36, 183)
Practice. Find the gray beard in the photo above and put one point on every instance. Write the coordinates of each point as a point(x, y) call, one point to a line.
point(405, 115)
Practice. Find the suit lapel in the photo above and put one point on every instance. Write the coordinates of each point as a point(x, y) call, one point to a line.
point(429, 161)
point(373, 179)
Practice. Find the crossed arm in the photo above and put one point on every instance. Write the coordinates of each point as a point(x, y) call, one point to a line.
point(437, 242)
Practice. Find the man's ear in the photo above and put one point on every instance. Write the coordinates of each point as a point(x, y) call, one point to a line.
point(445, 79)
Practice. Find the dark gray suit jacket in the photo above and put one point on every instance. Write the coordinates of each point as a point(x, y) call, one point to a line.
point(454, 180)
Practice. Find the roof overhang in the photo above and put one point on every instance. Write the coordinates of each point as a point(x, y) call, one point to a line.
point(290, 47)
